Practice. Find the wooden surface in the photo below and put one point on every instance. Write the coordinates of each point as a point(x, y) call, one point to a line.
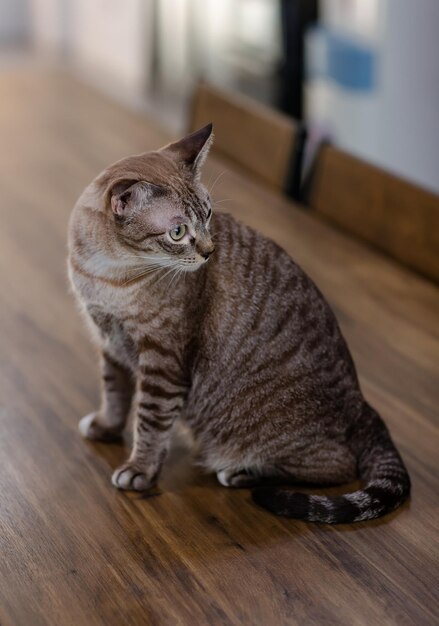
point(394, 215)
point(258, 139)
point(73, 550)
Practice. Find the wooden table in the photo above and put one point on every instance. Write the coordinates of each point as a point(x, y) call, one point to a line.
point(74, 551)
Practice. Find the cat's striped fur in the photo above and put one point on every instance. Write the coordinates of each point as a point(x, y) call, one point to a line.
point(242, 347)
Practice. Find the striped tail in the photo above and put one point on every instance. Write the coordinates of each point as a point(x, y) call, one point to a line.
point(387, 483)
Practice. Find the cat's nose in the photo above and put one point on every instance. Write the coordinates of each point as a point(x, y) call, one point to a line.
point(206, 254)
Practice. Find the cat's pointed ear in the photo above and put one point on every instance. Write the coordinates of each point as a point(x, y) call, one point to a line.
point(127, 195)
point(193, 149)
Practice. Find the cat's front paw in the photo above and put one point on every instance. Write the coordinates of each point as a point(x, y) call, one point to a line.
point(134, 477)
point(91, 428)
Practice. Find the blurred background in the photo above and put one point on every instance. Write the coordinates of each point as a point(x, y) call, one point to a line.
point(352, 86)
point(363, 73)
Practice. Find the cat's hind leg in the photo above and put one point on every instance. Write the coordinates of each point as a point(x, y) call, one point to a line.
point(108, 422)
point(239, 478)
point(321, 471)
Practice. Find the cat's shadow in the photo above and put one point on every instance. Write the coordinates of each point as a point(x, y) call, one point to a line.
point(180, 473)
point(179, 469)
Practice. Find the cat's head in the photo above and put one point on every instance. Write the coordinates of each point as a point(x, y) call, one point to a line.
point(158, 206)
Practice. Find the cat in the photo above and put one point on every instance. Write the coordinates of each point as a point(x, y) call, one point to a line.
point(201, 318)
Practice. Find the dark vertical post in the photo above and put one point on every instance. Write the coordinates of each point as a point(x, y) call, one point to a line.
point(296, 16)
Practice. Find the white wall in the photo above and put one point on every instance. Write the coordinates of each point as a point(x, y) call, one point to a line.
point(409, 112)
point(14, 22)
point(111, 38)
point(397, 124)
point(49, 24)
point(108, 40)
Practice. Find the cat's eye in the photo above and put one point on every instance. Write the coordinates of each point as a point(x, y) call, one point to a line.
point(178, 232)
point(209, 213)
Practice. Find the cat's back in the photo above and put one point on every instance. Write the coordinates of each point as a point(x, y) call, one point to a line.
point(245, 257)
point(267, 333)
point(255, 274)
point(259, 301)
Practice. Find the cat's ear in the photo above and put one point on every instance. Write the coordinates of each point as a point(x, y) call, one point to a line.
point(193, 149)
point(128, 195)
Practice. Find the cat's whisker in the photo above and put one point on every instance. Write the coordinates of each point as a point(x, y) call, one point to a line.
point(145, 269)
point(215, 202)
point(210, 181)
point(216, 181)
point(147, 266)
point(175, 276)
point(146, 256)
point(151, 259)
point(132, 278)
point(164, 275)
point(174, 271)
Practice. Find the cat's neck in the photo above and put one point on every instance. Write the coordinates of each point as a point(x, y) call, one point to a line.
point(141, 279)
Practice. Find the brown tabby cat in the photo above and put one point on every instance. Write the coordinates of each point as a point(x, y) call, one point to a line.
point(239, 344)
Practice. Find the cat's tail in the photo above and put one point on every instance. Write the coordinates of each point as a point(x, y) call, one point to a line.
point(387, 483)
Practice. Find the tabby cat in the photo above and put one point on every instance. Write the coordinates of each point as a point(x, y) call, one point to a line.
point(201, 318)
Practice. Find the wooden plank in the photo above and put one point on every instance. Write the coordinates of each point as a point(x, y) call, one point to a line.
point(394, 215)
point(263, 141)
point(74, 550)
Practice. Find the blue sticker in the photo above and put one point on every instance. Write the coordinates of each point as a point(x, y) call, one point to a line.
point(347, 62)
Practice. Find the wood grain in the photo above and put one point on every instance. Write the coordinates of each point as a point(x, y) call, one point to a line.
point(74, 551)
point(394, 215)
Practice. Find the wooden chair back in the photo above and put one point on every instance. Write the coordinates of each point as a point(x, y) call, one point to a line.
point(258, 138)
point(394, 215)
